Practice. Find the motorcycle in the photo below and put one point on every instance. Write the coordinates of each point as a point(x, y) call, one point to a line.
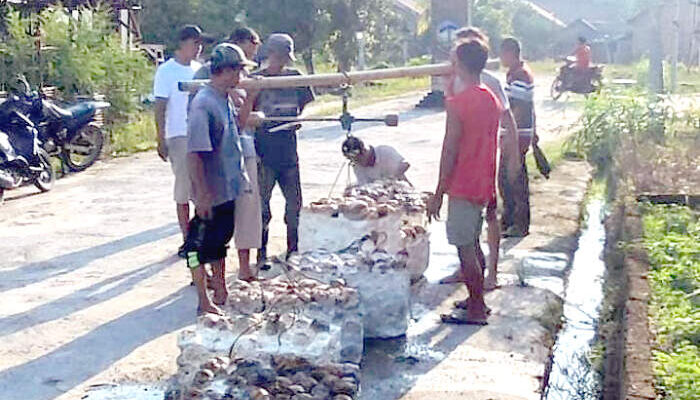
point(572, 80)
point(22, 160)
point(73, 134)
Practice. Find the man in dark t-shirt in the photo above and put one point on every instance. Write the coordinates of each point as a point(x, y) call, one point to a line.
point(279, 162)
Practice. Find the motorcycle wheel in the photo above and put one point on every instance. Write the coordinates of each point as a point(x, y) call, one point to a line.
point(557, 89)
point(84, 149)
point(47, 177)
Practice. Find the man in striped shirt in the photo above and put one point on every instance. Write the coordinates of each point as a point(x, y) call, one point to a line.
point(520, 87)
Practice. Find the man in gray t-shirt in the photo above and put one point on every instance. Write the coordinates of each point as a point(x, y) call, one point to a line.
point(215, 164)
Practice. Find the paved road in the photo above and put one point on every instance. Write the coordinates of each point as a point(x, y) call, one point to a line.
point(91, 291)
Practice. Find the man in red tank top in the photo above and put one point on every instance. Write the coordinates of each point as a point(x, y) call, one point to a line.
point(467, 173)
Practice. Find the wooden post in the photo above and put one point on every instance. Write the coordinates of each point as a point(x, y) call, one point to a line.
point(446, 17)
point(331, 80)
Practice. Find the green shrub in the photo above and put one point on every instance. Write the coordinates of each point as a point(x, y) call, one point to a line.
point(81, 56)
point(672, 240)
point(610, 118)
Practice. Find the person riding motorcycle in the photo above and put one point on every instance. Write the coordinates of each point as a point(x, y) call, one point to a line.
point(579, 66)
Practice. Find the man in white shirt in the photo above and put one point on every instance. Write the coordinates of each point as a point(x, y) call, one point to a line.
point(171, 116)
point(372, 163)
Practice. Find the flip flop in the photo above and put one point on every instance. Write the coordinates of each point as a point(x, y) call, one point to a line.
point(449, 280)
point(462, 305)
point(459, 319)
point(491, 288)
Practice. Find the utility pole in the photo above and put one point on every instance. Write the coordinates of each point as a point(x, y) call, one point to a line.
point(676, 26)
point(470, 12)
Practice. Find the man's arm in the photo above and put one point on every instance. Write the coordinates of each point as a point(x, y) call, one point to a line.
point(161, 106)
point(203, 197)
point(453, 132)
point(450, 146)
point(512, 142)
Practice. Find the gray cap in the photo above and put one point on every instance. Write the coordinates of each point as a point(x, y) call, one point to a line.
point(229, 55)
point(280, 43)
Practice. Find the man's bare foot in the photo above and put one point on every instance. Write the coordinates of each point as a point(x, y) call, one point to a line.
point(247, 274)
point(468, 304)
point(457, 277)
point(490, 283)
point(208, 308)
point(220, 296)
point(247, 277)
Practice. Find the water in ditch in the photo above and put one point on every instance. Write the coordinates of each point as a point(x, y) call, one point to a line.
point(572, 376)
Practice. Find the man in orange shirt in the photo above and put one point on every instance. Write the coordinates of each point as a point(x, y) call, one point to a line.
point(583, 55)
point(468, 173)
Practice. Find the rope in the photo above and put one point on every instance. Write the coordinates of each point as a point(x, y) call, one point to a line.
point(330, 193)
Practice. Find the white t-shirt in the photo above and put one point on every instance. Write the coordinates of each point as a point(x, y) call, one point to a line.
point(387, 165)
point(490, 81)
point(165, 85)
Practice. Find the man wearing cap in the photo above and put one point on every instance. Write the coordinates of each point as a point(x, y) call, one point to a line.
point(279, 162)
point(248, 214)
point(215, 165)
point(171, 116)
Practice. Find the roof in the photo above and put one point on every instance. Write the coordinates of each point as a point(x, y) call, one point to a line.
point(547, 15)
point(409, 6)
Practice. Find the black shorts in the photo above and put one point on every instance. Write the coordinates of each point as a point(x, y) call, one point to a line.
point(207, 240)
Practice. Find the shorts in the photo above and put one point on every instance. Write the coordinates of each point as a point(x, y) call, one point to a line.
point(207, 240)
point(464, 220)
point(177, 154)
point(248, 232)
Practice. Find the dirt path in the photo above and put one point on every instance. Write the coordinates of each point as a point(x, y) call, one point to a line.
point(91, 291)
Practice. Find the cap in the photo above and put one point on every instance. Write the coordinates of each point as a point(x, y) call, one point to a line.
point(194, 32)
point(229, 55)
point(242, 34)
point(280, 43)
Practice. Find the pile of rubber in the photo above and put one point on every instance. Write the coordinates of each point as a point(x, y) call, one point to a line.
point(273, 378)
point(393, 210)
point(319, 322)
point(381, 278)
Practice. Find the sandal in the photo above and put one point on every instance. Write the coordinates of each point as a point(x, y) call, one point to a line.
point(462, 318)
point(463, 304)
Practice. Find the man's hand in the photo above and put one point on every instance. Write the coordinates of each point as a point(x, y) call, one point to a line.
point(433, 207)
point(162, 150)
point(203, 208)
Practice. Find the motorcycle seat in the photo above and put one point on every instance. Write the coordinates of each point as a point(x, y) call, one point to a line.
point(58, 112)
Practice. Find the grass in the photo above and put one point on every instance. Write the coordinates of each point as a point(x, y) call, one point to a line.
point(672, 239)
point(134, 135)
point(363, 95)
point(555, 152)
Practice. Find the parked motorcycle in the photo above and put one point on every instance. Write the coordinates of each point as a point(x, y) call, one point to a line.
point(73, 134)
point(572, 80)
point(22, 160)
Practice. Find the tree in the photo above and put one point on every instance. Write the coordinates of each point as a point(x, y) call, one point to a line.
point(83, 56)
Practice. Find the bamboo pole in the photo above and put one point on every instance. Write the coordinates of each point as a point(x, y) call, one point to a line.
point(336, 79)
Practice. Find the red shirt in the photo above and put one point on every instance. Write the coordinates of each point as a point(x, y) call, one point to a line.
point(474, 174)
point(583, 57)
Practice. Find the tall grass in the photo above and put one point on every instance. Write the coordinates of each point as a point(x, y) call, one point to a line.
point(672, 239)
point(610, 119)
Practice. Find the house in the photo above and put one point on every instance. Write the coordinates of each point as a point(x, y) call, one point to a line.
point(685, 18)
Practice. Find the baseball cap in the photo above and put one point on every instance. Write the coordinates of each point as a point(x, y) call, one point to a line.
point(229, 55)
point(188, 32)
point(242, 34)
point(280, 43)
